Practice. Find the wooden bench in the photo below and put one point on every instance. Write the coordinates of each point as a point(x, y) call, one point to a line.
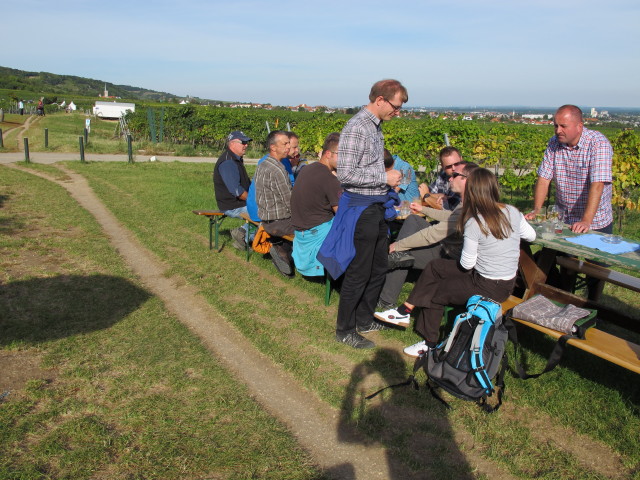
point(601, 344)
point(535, 278)
point(215, 220)
point(252, 227)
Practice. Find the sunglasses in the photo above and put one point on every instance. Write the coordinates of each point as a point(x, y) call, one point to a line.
point(241, 141)
point(456, 175)
point(452, 165)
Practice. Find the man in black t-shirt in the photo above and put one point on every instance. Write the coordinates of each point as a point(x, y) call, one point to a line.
point(314, 201)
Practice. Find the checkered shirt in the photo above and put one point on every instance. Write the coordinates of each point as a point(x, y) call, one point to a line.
point(361, 155)
point(441, 184)
point(273, 190)
point(573, 169)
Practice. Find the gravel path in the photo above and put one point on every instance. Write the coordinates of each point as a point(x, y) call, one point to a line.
point(53, 157)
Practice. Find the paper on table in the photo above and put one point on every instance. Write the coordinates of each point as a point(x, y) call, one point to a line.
point(592, 240)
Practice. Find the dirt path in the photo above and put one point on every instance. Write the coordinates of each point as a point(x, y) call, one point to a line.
point(22, 128)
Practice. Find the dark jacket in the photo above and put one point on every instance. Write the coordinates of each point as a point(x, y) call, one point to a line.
point(225, 199)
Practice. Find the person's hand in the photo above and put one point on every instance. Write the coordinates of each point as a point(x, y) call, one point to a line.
point(532, 214)
point(423, 188)
point(392, 247)
point(415, 207)
point(434, 201)
point(393, 178)
point(580, 227)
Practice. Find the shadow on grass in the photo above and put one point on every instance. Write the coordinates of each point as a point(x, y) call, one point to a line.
point(415, 444)
point(586, 365)
point(42, 309)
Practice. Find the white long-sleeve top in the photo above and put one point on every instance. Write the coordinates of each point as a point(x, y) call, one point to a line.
point(492, 258)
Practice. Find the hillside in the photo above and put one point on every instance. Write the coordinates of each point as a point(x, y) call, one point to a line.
point(51, 83)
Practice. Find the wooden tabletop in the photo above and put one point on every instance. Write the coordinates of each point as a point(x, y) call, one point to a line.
point(630, 260)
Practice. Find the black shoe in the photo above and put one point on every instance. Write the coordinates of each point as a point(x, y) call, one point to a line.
point(355, 340)
point(372, 327)
point(281, 260)
point(400, 260)
point(238, 235)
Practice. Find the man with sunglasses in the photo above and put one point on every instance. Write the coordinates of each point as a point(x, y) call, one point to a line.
point(231, 182)
point(438, 195)
point(423, 242)
point(357, 244)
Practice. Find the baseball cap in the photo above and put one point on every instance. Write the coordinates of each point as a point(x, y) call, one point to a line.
point(238, 135)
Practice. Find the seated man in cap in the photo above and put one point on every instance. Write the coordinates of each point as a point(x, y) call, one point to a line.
point(231, 182)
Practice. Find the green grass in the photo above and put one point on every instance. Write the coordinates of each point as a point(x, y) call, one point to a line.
point(288, 321)
point(126, 391)
point(155, 201)
point(65, 130)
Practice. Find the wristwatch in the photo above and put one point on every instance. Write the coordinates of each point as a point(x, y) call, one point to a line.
point(425, 196)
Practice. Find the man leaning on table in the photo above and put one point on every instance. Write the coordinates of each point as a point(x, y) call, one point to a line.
point(579, 161)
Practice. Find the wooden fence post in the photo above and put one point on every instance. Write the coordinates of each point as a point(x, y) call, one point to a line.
point(80, 140)
point(26, 150)
point(129, 148)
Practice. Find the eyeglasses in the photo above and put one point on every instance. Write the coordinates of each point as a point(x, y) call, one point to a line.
point(241, 141)
point(456, 175)
point(452, 165)
point(395, 109)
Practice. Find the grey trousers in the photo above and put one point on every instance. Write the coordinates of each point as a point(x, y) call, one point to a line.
point(395, 279)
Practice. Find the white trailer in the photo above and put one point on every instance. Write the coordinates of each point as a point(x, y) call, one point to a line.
point(112, 109)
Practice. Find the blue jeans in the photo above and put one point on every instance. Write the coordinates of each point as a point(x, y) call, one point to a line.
point(235, 213)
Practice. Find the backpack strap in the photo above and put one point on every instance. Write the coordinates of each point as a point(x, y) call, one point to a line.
point(420, 362)
point(500, 388)
point(434, 394)
point(554, 357)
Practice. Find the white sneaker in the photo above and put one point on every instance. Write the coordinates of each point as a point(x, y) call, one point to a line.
point(416, 349)
point(392, 316)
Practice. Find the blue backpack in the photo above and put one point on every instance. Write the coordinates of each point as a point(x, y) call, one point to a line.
point(471, 361)
point(466, 363)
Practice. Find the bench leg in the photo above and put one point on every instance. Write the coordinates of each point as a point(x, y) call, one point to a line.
point(214, 227)
point(212, 223)
point(327, 288)
point(250, 228)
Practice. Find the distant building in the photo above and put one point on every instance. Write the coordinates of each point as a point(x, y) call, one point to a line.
point(112, 109)
point(594, 112)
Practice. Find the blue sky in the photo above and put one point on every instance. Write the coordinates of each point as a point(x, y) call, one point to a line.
point(447, 53)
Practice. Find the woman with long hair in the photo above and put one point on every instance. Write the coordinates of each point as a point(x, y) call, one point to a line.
point(488, 264)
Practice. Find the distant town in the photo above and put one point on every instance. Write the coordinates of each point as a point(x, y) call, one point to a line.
point(627, 117)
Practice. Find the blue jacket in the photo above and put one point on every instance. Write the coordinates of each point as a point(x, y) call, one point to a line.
point(338, 249)
point(408, 191)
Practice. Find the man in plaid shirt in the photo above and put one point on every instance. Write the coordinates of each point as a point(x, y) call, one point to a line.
point(362, 175)
point(579, 161)
point(273, 196)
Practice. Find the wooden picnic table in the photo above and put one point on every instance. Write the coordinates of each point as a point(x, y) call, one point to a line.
point(578, 259)
point(629, 260)
point(613, 347)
